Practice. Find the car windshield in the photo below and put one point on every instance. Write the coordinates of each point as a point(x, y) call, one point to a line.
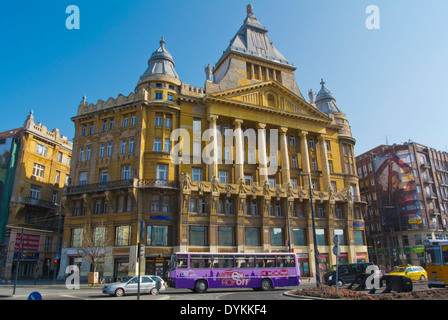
point(126, 279)
point(399, 270)
point(332, 269)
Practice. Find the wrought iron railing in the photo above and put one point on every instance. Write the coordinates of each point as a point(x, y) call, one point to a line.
point(98, 187)
point(36, 202)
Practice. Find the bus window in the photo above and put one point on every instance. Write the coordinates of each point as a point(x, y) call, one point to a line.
point(223, 262)
point(200, 262)
point(445, 254)
point(281, 262)
point(182, 262)
point(290, 261)
point(241, 263)
point(265, 262)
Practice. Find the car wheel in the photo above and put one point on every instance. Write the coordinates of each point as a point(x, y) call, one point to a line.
point(200, 286)
point(266, 285)
point(119, 292)
point(422, 277)
point(154, 291)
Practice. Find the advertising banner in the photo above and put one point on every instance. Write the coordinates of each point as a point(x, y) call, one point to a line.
point(396, 188)
point(30, 242)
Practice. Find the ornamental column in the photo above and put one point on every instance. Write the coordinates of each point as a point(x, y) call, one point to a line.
point(213, 145)
point(324, 161)
point(286, 176)
point(262, 158)
point(239, 150)
point(305, 156)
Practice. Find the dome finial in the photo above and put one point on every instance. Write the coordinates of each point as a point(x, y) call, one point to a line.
point(322, 82)
point(162, 42)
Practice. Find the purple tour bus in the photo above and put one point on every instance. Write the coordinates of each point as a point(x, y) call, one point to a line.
point(265, 271)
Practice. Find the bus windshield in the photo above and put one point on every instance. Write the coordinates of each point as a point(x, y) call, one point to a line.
point(433, 256)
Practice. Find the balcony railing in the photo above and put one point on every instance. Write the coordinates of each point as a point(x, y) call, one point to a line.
point(122, 184)
point(36, 202)
point(157, 183)
point(99, 187)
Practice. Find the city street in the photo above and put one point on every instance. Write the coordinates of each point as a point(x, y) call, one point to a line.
point(60, 292)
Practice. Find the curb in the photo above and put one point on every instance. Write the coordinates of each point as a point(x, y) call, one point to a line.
point(289, 294)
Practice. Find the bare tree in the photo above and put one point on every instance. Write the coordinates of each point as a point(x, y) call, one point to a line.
point(94, 242)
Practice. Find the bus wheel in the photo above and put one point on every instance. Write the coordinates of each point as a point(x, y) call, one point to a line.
point(266, 285)
point(200, 286)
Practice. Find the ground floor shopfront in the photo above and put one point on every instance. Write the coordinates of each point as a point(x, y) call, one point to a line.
point(28, 252)
point(121, 262)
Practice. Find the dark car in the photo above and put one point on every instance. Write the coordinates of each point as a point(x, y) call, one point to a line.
point(347, 273)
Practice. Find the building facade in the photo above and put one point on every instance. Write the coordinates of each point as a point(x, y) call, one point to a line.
point(407, 181)
point(223, 168)
point(37, 171)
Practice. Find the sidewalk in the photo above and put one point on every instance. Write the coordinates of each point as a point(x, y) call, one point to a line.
point(42, 283)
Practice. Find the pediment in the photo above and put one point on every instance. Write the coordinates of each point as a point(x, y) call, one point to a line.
point(270, 95)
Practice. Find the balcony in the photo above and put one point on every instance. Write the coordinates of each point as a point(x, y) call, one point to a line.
point(36, 202)
point(158, 183)
point(100, 187)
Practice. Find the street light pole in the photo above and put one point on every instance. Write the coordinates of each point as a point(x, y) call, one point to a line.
point(316, 251)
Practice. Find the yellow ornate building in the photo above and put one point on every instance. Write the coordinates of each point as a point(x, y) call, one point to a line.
point(40, 169)
point(224, 168)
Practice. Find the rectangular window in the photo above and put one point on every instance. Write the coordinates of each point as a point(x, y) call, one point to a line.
point(83, 178)
point(104, 176)
point(109, 149)
point(123, 146)
point(131, 145)
point(314, 164)
point(60, 156)
point(359, 238)
point(157, 236)
point(35, 192)
point(77, 238)
point(104, 125)
point(311, 143)
point(299, 237)
point(170, 97)
point(133, 121)
point(162, 172)
point(248, 179)
point(226, 236)
point(99, 236)
point(159, 121)
point(159, 95)
point(84, 130)
point(124, 123)
point(276, 236)
point(198, 236)
point(125, 172)
point(252, 236)
point(101, 151)
point(88, 152)
point(81, 154)
point(223, 177)
point(292, 140)
point(168, 122)
point(321, 238)
point(196, 174)
point(38, 170)
point(157, 144)
point(167, 145)
point(57, 177)
point(90, 128)
point(122, 235)
point(341, 236)
point(111, 124)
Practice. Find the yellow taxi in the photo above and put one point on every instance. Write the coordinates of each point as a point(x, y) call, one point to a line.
point(412, 272)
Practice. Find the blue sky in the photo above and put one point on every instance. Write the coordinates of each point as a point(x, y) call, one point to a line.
point(391, 82)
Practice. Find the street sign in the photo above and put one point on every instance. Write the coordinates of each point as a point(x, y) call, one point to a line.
point(336, 251)
point(35, 296)
point(336, 239)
